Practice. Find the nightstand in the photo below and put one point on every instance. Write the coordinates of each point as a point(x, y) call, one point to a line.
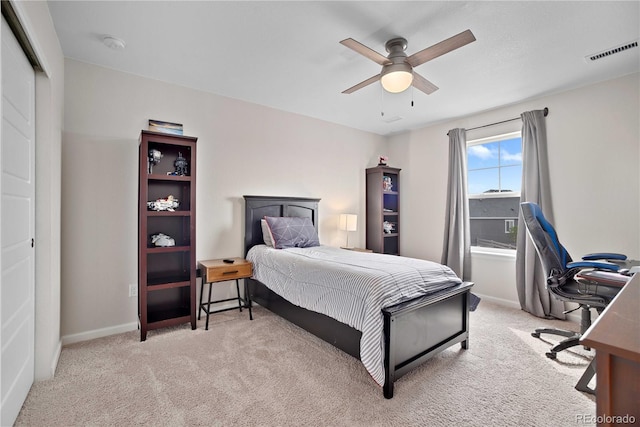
point(216, 271)
point(358, 249)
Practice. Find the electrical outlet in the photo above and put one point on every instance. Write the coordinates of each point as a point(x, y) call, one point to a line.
point(133, 290)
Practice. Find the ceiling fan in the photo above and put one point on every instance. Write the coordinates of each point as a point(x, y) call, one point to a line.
point(397, 68)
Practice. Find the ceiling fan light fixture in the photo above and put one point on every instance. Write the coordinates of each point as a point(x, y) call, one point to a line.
point(397, 68)
point(396, 78)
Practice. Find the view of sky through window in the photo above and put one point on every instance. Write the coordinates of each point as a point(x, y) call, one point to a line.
point(495, 166)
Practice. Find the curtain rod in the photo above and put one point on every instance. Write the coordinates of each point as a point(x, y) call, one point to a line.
point(546, 113)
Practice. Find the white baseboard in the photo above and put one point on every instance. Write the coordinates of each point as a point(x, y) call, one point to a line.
point(119, 329)
point(56, 358)
point(572, 317)
point(50, 369)
point(99, 333)
point(499, 301)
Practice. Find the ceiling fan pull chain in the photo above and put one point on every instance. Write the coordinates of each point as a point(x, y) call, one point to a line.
point(381, 101)
point(412, 95)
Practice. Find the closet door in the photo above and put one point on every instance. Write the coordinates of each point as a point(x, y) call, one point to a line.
point(17, 182)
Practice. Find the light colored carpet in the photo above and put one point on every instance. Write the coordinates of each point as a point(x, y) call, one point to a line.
point(267, 372)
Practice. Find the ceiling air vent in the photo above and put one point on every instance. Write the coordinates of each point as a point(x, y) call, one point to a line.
point(612, 51)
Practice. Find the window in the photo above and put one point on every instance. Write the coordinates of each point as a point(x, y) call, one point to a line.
point(509, 224)
point(494, 181)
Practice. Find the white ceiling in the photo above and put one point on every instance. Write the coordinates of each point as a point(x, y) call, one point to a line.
point(287, 55)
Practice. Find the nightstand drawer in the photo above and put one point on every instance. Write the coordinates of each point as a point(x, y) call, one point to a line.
point(217, 271)
point(230, 272)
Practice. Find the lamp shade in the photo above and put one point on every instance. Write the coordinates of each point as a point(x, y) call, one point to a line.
point(397, 77)
point(348, 222)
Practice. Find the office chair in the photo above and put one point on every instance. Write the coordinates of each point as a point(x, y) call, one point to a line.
point(580, 282)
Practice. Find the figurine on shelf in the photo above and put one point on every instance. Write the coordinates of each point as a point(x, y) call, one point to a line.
point(181, 166)
point(153, 159)
point(163, 240)
point(388, 227)
point(387, 185)
point(382, 161)
point(169, 203)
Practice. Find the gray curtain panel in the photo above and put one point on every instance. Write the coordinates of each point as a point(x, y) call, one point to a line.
point(456, 253)
point(530, 279)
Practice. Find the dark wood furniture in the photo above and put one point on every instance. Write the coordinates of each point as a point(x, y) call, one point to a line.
point(615, 335)
point(167, 275)
point(414, 330)
point(383, 205)
point(216, 271)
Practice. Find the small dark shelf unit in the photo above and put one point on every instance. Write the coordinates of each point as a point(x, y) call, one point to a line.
point(383, 204)
point(166, 275)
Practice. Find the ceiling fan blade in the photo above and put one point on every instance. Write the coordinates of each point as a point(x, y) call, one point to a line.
point(365, 51)
point(441, 48)
point(423, 84)
point(362, 84)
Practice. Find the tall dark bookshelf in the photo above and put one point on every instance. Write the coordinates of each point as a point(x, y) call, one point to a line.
point(166, 274)
point(383, 205)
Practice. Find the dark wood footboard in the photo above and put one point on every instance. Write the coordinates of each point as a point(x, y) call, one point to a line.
point(414, 330)
point(421, 328)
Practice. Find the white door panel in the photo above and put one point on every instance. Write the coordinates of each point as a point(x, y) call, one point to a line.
point(15, 153)
point(18, 92)
point(14, 294)
point(15, 231)
point(17, 183)
point(15, 369)
point(12, 367)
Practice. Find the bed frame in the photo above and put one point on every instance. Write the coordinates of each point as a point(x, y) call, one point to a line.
point(414, 330)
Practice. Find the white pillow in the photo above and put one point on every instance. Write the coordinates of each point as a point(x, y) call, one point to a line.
point(266, 233)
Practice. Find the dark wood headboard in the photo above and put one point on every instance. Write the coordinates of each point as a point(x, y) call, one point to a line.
point(257, 207)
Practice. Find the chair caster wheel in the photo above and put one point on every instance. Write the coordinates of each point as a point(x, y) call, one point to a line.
point(551, 355)
point(535, 334)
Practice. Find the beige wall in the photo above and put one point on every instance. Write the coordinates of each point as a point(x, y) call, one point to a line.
point(36, 21)
point(249, 149)
point(594, 145)
point(242, 149)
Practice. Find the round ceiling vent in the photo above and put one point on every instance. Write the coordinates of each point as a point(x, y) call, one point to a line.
point(113, 43)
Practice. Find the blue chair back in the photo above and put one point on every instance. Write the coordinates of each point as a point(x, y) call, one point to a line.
point(553, 255)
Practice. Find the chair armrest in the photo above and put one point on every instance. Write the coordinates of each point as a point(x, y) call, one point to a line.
point(604, 255)
point(591, 264)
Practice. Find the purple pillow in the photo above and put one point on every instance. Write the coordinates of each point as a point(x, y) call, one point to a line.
point(292, 232)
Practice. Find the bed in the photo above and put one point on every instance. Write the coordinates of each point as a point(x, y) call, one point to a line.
point(413, 330)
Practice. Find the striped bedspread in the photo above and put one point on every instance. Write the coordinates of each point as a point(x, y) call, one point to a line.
point(351, 287)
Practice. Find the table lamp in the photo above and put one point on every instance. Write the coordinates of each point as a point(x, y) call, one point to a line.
point(348, 222)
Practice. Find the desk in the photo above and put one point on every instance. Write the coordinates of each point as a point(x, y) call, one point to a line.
point(615, 335)
point(215, 271)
